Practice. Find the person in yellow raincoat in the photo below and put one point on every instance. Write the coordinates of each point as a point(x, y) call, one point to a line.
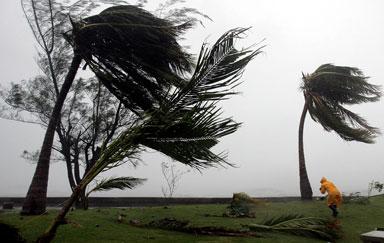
point(334, 195)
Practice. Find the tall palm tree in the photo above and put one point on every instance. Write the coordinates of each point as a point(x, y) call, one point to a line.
point(134, 54)
point(187, 122)
point(326, 91)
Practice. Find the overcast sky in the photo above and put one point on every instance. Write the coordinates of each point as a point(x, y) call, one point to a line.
point(300, 36)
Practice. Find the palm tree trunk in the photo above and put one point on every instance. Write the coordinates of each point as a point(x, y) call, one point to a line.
point(35, 202)
point(305, 186)
point(60, 218)
point(82, 201)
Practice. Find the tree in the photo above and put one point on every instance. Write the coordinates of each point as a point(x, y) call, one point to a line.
point(146, 75)
point(325, 92)
point(172, 177)
point(91, 117)
point(186, 123)
point(47, 20)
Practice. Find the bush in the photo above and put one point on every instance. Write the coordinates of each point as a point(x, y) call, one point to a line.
point(355, 197)
point(242, 205)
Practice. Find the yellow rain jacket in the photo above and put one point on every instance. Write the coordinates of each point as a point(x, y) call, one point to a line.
point(334, 195)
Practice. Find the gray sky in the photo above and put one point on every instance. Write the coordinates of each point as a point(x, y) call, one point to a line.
point(300, 36)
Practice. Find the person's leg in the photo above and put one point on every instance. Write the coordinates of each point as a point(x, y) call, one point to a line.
point(333, 207)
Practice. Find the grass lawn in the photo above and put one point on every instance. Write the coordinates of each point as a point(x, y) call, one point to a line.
point(101, 225)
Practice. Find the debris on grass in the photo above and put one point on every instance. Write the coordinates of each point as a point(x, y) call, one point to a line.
point(310, 227)
point(184, 226)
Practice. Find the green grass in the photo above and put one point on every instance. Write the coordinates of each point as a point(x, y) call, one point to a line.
point(100, 225)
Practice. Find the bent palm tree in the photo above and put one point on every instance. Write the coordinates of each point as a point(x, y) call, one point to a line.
point(134, 54)
point(325, 92)
point(187, 122)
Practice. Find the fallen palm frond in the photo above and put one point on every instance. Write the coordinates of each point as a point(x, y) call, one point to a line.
point(185, 227)
point(299, 225)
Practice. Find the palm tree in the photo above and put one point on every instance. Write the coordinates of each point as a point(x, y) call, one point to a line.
point(186, 123)
point(134, 54)
point(325, 92)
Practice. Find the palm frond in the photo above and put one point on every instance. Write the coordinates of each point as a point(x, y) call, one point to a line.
point(342, 85)
point(135, 54)
point(188, 123)
point(299, 225)
point(117, 183)
point(329, 87)
point(188, 135)
point(125, 146)
point(348, 125)
point(217, 71)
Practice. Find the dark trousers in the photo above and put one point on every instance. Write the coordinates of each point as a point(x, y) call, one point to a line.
point(333, 207)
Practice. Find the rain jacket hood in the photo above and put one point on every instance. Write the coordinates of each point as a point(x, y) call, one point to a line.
point(334, 195)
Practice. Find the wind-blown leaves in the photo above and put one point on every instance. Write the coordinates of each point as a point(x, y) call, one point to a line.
point(217, 71)
point(119, 45)
point(298, 225)
point(188, 124)
point(117, 183)
point(329, 87)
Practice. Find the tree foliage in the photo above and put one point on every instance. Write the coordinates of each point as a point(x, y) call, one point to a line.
point(188, 123)
point(330, 88)
point(91, 117)
point(118, 45)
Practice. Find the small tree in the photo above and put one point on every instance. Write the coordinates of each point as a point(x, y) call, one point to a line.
point(48, 19)
point(92, 116)
point(172, 177)
point(374, 185)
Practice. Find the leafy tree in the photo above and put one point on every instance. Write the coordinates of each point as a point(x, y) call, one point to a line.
point(49, 20)
point(326, 91)
point(91, 117)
